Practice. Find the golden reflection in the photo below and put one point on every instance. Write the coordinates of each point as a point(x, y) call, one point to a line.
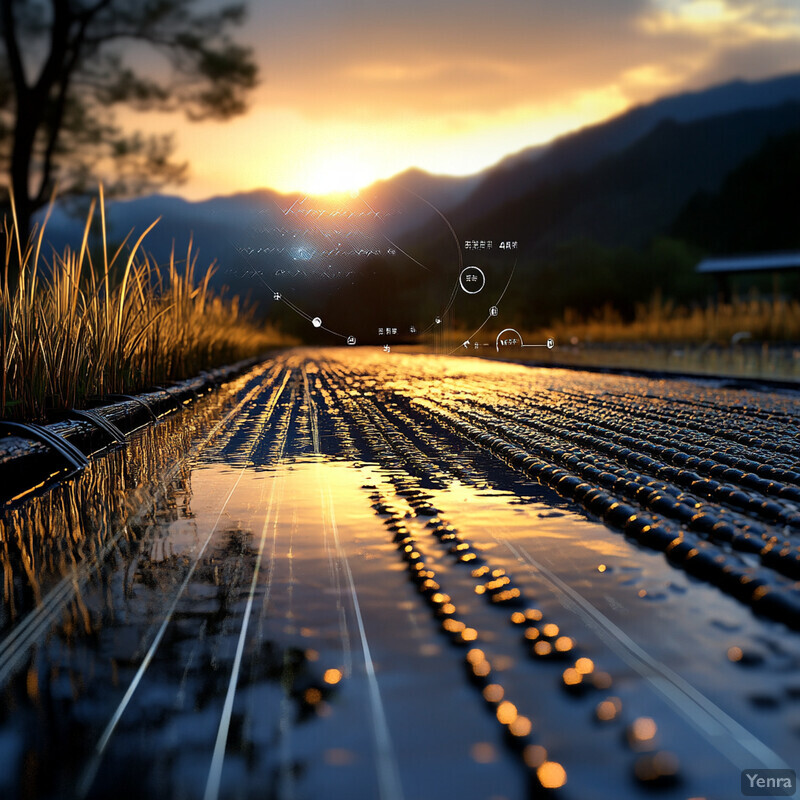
point(542, 648)
point(551, 775)
point(531, 634)
point(534, 755)
point(453, 625)
point(469, 634)
point(332, 676)
point(550, 630)
point(493, 693)
point(506, 712)
point(608, 709)
point(505, 596)
point(312, 696)
point(518, 618)
point(656, 766)
point(735, 654)
point(564, 644)
point(116, 501)
point(642, 731)
point(584, 665)
point(571, 677)
point(483, 753)
point(602, 680)
point(521, 726)
point(32, 683)
point(482, 670)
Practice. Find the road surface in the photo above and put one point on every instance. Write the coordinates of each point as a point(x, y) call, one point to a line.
point(352, 574)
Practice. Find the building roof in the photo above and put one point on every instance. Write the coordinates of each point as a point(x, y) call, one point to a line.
point(751, 263)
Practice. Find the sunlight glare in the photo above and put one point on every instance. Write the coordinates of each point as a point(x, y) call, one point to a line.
point(337, 172)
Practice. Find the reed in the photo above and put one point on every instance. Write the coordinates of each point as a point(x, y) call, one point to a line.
point(754, 318)
point(72, 328)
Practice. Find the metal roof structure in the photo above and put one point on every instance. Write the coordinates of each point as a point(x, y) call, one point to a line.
point(752, 263)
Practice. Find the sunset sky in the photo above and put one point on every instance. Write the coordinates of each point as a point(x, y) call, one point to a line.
point(355, 90)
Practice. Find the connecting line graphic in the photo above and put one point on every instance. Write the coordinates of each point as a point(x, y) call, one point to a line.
point(483, 324)
point(453, 294)
point(458, 250)
point(297, 310)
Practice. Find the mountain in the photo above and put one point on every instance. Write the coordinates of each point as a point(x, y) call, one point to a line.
point(629, 197)
point(623, 182)
point(579, 151)
point(755, 210)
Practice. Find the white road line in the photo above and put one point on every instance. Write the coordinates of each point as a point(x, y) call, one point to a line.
point(286, 784)
point(389, 786)
point(90, 772)
point(727, 736)
point(218, 758)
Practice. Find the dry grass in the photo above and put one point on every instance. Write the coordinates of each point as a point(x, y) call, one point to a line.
point(72, 328)
point(764, 319)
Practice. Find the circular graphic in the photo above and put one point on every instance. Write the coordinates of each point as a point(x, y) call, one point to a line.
point(316, 322)
point(493, 312)
point(508, 338)
point(472, 280)
point(351, 340)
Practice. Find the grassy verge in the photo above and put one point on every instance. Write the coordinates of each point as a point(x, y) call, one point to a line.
point(749, 338)
point(754, 319)
point(72, 328)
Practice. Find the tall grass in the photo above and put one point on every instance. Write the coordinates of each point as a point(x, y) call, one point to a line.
point(760, 319)
point(72, 328)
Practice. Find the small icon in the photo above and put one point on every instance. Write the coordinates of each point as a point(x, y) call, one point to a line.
point(550, 344)
point(438, 320)
point(466, 344)
point(493, 311)
point(387, 349)
point(277, 296)
point(316, 322)
point(351, 340)
point(412, 329)
point(472, 280)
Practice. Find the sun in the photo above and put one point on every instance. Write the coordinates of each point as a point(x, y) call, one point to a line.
point(340, 172)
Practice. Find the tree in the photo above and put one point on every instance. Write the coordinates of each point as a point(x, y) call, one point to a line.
point(66, 65)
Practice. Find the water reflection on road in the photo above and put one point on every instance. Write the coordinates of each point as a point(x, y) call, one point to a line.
point(310, 586)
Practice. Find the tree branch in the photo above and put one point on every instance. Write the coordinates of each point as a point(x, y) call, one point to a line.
point(12, 47)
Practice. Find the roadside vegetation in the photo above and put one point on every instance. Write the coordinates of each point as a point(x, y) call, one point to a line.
point(90, 322)
point(754, 318)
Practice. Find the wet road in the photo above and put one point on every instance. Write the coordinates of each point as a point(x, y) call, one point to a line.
point(353, 575)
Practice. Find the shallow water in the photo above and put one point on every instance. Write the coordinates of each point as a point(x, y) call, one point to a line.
point(326, 581)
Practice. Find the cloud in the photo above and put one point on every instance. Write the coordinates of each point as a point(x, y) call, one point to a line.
point(452, 85)
point(728, 21)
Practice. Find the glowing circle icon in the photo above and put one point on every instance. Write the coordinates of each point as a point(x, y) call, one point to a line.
point(472, 280)
point(493, 312)
point(316, 322)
